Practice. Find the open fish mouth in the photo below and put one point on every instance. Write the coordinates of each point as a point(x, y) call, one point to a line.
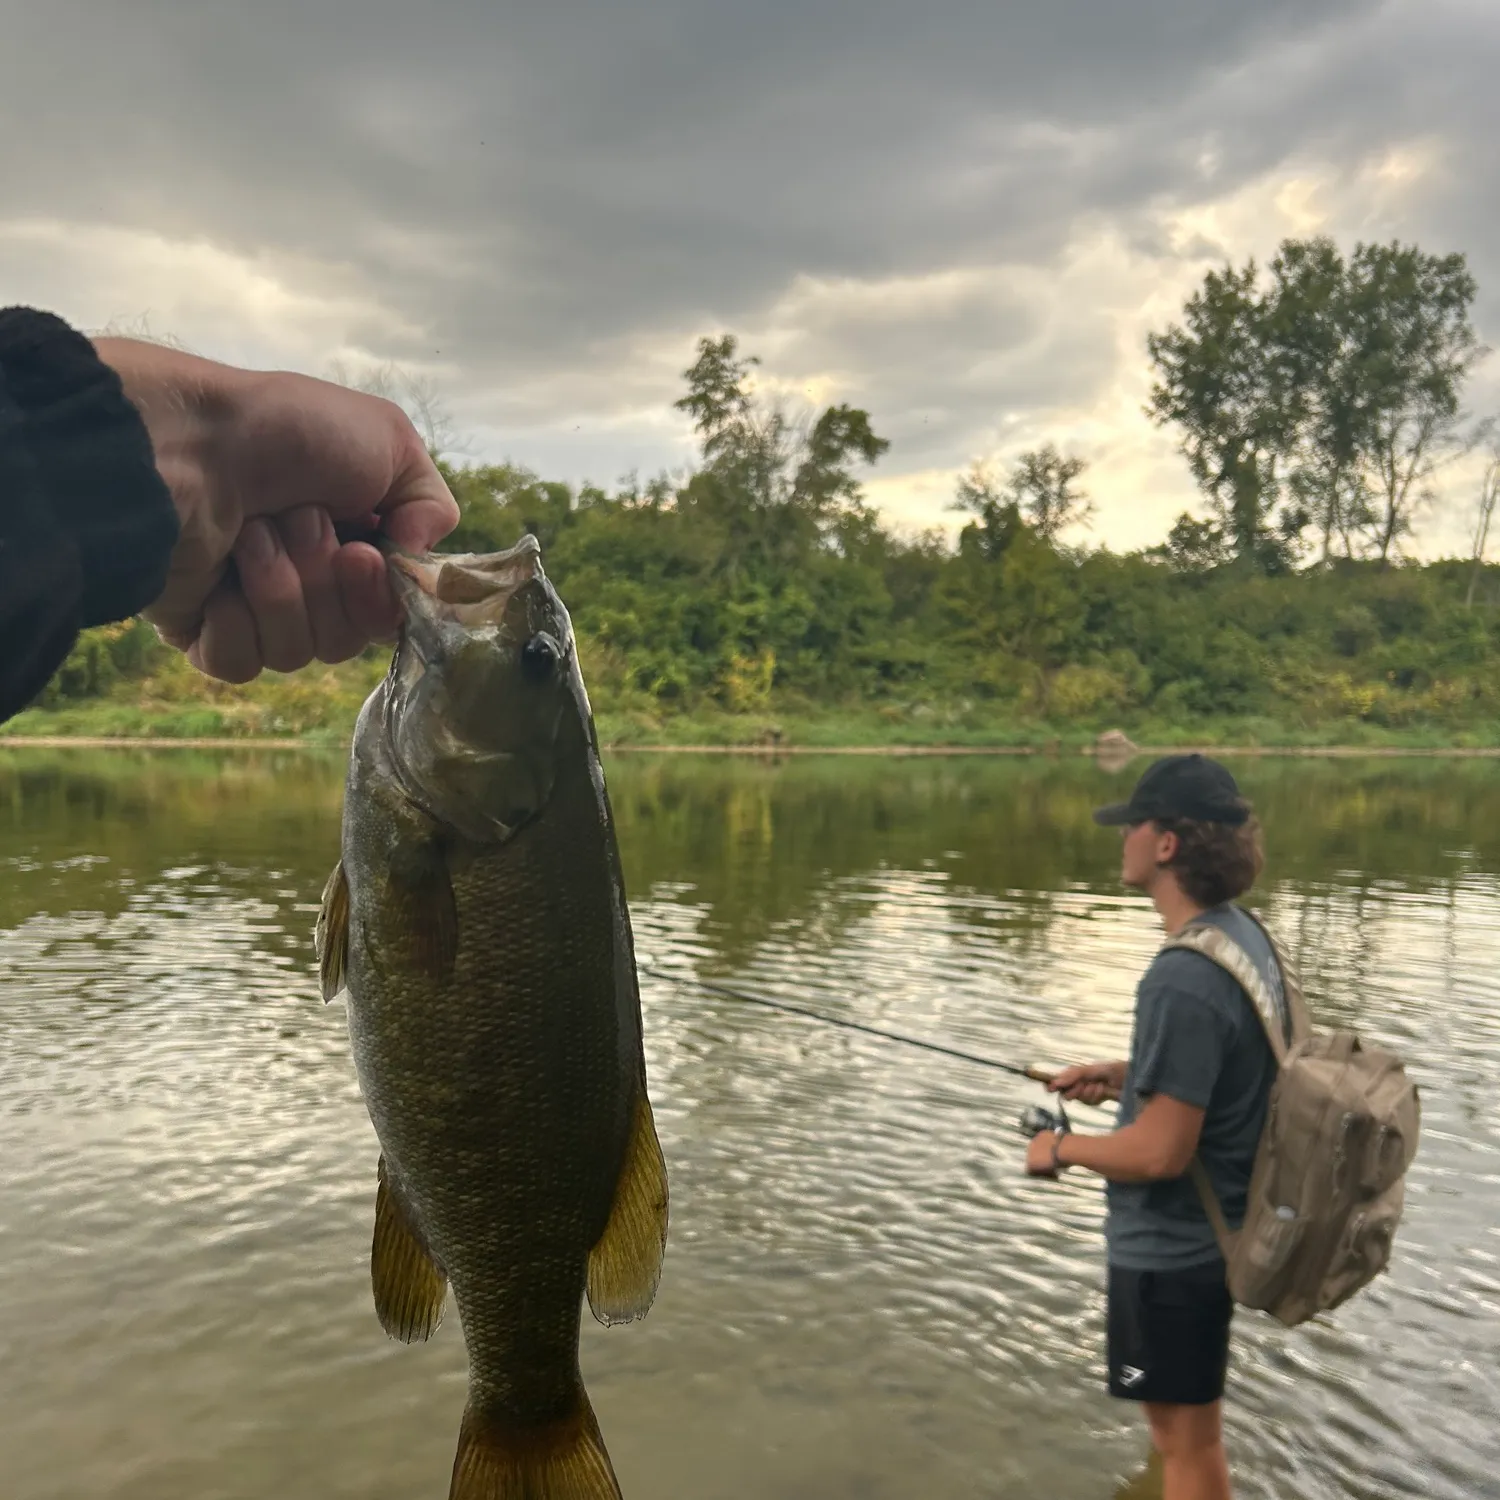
point(474, 586)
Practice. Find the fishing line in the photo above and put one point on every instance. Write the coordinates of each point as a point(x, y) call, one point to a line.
point(1037, 1075)
point(1034, 1119)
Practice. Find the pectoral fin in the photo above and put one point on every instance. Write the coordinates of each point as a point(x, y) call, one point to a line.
point(625, 1266)
point(331, 933)
point(409, 1288)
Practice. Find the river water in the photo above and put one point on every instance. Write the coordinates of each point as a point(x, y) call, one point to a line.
point(863, 1297)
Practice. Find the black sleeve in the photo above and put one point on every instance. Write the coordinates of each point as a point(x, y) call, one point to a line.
point(87, 526)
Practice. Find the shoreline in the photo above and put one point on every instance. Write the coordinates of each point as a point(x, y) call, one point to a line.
point(775, 752)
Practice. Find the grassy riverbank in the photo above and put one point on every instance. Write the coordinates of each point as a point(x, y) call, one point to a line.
point(319, 706)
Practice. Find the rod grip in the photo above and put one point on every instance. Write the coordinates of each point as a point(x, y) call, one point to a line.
point(1041, 1075)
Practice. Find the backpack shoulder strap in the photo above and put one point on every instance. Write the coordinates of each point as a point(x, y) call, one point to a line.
point(1216, 944)
point(1291, 983)
point(1210, 1200)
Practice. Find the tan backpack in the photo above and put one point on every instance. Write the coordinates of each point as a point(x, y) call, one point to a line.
point(1327, 1188)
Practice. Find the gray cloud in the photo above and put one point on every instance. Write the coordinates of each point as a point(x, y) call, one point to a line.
point(556, 197)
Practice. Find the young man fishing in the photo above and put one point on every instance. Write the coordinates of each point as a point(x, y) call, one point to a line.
point(1196, 1083)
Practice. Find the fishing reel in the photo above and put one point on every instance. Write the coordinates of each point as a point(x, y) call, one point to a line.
point(1036, 1118)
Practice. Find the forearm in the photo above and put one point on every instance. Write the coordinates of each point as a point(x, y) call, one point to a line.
point(1130, 1154)
point(188, 404)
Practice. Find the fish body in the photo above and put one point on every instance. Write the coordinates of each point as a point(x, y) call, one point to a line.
point(477, 920)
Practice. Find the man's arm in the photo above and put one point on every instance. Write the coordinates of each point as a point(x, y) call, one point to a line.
point(1157, 1146)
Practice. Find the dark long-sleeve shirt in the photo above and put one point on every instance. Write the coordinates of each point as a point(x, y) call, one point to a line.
point(87, 526)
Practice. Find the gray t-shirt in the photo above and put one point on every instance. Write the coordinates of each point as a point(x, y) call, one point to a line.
point(1197, 1039)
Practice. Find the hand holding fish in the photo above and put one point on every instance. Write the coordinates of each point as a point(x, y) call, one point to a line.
point(265, 469)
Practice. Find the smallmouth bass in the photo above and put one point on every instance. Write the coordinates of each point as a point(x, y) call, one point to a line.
point(477, 921)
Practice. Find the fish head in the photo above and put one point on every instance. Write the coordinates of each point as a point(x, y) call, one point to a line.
point(483, 686)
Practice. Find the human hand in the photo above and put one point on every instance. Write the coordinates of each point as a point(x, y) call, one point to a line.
point(1090, 1083)
point(265, 470)
point(1039, 1154)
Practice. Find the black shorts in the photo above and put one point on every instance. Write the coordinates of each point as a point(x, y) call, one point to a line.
point(1169, 1334)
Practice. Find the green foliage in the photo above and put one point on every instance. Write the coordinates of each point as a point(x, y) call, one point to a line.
point(1324, 395)
point(759, 598)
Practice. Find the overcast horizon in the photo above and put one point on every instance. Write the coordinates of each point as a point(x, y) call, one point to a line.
point(962, 220)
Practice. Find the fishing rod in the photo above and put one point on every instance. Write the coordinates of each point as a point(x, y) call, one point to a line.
point(1035, 1119)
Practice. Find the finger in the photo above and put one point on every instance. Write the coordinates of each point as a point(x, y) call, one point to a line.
point(310, 542)
point(273, 591)
point(228, 646)
point(365, 588)
point(419, 511)
point(361, 528)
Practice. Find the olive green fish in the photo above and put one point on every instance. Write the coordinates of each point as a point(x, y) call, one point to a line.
point(477, 920)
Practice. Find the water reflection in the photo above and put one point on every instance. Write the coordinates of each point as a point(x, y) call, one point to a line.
point(863, 1298)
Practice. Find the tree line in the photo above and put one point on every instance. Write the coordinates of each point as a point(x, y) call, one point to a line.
point(1316, 402)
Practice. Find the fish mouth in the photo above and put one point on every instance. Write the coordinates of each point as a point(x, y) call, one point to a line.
point(470, 587)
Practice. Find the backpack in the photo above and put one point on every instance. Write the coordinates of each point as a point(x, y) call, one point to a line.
point(1327, 1188)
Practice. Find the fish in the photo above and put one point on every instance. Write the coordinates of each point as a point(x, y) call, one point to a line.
point(476, 922)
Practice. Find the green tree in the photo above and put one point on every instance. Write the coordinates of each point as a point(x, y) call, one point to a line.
point(997, 516)
point(1414, 348)
point(1223, 378)
point(1040, 491)
point(1489, 498)
point(1325, 394)
point(778, 489)
point(1043, 483)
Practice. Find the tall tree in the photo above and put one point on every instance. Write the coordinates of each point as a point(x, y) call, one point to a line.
point(997, 516)
point(1326, 393)
point(1224, 380)
point(824, 482)
point(1043, 483)
point(1489, 498)
point(1413, 345)
point(1306, 322)
point(1040, 491)
point(778, 485)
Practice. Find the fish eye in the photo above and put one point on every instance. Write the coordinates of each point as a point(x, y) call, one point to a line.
point(539, 657)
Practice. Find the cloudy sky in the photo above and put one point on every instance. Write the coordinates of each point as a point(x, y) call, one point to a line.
point(962, 215)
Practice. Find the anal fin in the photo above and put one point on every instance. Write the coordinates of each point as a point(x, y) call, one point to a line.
point(409, 1288)
point(331, 933)
point(625, 1266)
point(565, 1460)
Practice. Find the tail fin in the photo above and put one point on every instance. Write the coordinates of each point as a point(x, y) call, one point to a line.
point(564, 1460)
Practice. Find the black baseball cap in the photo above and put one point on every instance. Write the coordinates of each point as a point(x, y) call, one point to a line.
point(1180, 786)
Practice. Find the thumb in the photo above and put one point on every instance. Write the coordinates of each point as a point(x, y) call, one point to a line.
point(418, 510)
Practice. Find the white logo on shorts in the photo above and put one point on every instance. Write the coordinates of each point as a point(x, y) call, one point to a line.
point(1130, 1377)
